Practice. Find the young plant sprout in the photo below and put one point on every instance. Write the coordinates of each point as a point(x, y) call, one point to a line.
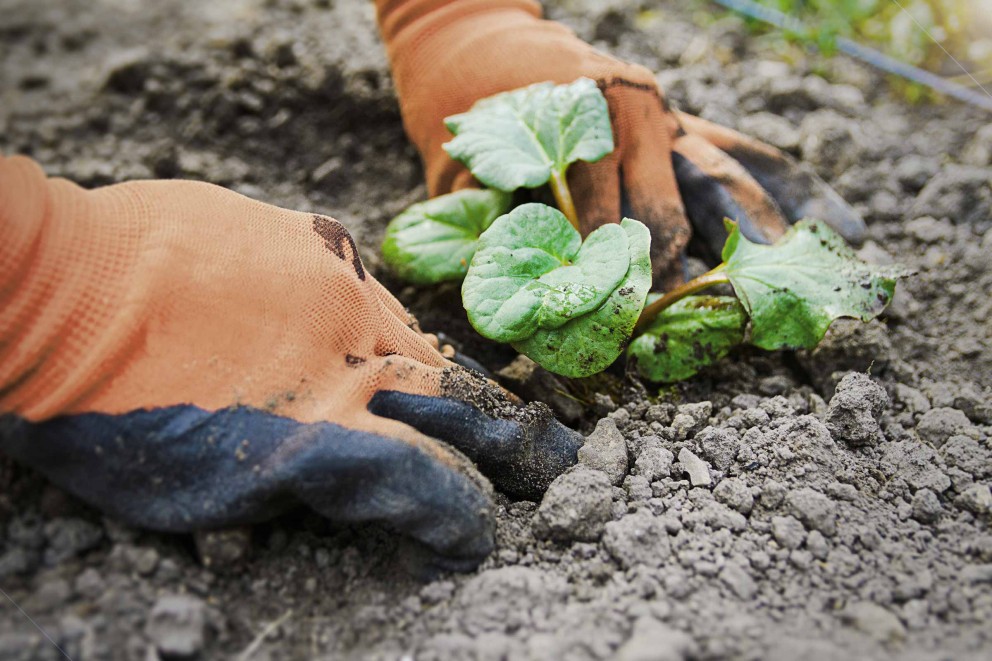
point(573, 306)
point(528, 137)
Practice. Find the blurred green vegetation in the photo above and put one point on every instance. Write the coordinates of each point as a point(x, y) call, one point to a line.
point(962, 27)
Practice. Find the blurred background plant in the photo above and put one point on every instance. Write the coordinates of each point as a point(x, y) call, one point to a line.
point(914, 31)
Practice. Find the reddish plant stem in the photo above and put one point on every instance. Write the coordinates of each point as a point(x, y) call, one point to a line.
point(708, 279)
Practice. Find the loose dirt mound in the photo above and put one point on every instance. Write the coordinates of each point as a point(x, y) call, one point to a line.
point(827, 505)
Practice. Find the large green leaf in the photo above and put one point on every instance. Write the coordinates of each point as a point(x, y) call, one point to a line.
point(590, 343)
point(686, 337)
point(793, 290)
point(434, 241)
point(518, 139)
point(532, 271)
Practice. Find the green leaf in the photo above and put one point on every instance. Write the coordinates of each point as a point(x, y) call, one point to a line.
point(590, 343)
point(518, 139)
point(532, 271)
point(434, 241)
point(686, 337)
point(793, 290)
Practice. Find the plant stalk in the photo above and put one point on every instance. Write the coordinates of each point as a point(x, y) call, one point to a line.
point(563, 197)
point(708, 279)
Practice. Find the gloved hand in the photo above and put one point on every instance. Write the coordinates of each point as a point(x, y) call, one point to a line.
point(447, 54)
point(184, 358)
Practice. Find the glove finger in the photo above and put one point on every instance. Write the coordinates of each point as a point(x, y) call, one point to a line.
point(182, 468)
point(714, 186)
point(596, 192)
point(521, 449)
point(799, 192)
point(645, 131)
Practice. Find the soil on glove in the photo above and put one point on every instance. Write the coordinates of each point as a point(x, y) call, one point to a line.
point(826, 505)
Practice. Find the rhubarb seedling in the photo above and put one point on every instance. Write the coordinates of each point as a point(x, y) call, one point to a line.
point(528, 137)
point(434, 241)
point(567, 304)
point(790, 292)
point(572, 305)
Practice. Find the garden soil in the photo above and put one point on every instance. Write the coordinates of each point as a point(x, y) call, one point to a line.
point(824, 505)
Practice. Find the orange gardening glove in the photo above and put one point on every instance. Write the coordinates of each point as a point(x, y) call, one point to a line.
point(447, 54)
point(183, 357)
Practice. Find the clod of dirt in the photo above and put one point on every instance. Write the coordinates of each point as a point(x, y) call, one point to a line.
point(656, 641)
point(654, 461)
point(639, 538)
point(979, 149)
point(966, 454)
point(772, 129)
point(739, 581)
point(734, 493)
point(961, 193)
point(875, 621)
point(816, 511)
point(576, 506)
point(848, 346)
point(788, 531)
point(70, 537)
point(719, 446)
point(699, 472)
point(940, 424)
point(223, 549)
point(855, 409)
point(926, 506)
point(605, 449)
point(916, 464)
point(830, 143)
point(976, 499)
point(177, 625)
point(691, 418)
point(508, 598)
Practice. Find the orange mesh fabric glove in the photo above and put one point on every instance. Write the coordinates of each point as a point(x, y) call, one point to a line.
point(183, 357)
point(447, 54)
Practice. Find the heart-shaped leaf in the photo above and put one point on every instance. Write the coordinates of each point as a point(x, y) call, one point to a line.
point(686, 337)
point(793, 290)
point(518, 139)
point(434, 241)
point(532, 271)
point(590, 343)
